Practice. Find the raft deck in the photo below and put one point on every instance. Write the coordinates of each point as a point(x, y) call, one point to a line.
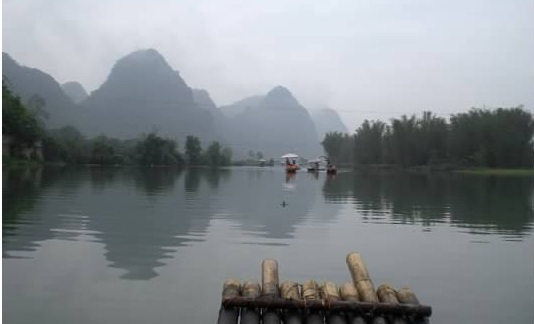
point(355, 302)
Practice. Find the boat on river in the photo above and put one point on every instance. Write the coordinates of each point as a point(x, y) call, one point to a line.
point(290, 161)
point(321, 163)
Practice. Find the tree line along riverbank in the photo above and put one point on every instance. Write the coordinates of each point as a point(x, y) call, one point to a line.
point(480, 141)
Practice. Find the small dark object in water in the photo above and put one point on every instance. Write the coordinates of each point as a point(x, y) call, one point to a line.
point(283, 204)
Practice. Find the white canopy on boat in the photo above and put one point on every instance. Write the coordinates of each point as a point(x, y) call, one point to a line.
point(290, 156)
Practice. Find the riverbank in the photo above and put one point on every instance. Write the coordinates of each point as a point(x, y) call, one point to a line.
point(447, 168)
point(498, 172)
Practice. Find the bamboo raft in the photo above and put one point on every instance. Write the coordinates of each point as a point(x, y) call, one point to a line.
point(355, 302)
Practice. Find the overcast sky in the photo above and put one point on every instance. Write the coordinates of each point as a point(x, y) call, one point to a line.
point(366, 59)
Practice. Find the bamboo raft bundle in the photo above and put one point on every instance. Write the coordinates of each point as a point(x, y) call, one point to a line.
point(355, 302)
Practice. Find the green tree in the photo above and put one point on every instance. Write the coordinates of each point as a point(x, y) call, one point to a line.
point(226, 156)
point(339, 147)
point(368, 144)
point(102, 150)
point(214, 154)
point(193, 150)
point(66, 144)
point(18, 121)
point(155, 150)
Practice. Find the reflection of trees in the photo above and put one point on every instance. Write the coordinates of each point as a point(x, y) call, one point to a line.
point(25, 211)
point(101, 176)
point(138, 231)
point(491, 203)
point(484, 203)
point(155, 181)
point(192, 180)
point(214, 175)
point(142, 216)
point(18, 183)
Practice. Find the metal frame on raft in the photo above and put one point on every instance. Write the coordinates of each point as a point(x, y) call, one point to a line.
point(290, 302)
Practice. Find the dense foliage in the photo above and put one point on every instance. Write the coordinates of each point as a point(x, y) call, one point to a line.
point(68, 145)
point(500, 138)
point(17, 121)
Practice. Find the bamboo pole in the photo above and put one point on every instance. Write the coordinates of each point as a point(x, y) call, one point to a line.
point(360, 277)
point(387, 294)
point(379, 320)
point(270, 290)
point(231, 289)
point(314, 318)
point(348, 292)
point(356, 319)
point(290, 290)
point(335, 318)
point(250, 289)
point(310, 290)
point(330, 291)
point(270, 316)
point(269, 278)
point(310, 293)
point(362, 307)
point(249, 316)
point(229, 314)
point(407, 296)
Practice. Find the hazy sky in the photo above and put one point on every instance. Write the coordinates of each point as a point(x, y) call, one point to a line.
point(366, 59)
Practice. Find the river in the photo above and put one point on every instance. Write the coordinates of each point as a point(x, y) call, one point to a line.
point(132, 245)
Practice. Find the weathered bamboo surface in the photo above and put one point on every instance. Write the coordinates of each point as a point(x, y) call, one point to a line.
point(355, 302)
point(269, 278)
point(365, 307)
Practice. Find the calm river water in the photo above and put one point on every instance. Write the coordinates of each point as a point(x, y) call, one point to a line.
point(154, 245)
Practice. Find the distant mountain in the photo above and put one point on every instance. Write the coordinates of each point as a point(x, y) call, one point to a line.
point(276, 125)
point(238, 107)
point(75, 91)
point(203, 100)
point(327, 120)
point(141, 94)
point(29, 82)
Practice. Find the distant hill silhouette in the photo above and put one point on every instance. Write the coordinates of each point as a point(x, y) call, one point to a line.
point(28, 82)
point(141, 94)
point(75, 91)
point(203, 100)
point(327, 120)
point(238, 107)
point(277, 124)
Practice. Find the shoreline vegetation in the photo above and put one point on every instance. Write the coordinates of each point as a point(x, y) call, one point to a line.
point(480, 139)
point(481, 142)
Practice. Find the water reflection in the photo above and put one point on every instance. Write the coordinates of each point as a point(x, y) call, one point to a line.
point(481, 204)
point(141, 216)
point(267, 202)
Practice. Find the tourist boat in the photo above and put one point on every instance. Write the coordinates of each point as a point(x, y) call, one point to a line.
point(290, 161)
point(321, 164)
point(331, 169)
point(316, 165)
